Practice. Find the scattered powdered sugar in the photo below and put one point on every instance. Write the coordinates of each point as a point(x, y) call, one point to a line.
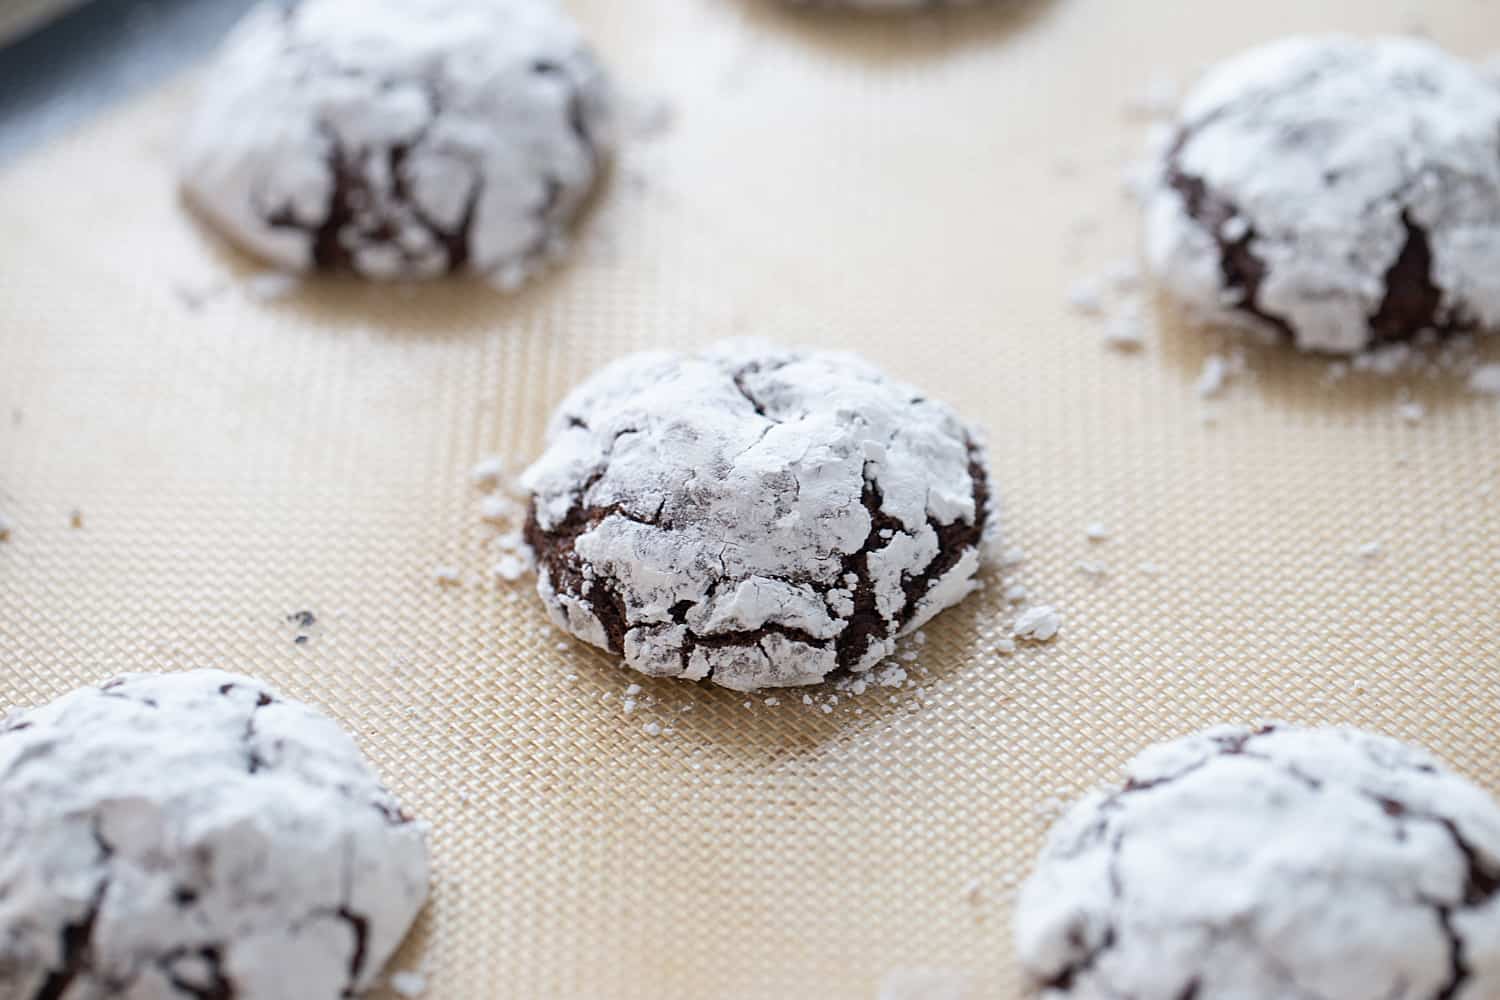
point(1038, 624)
point(512, 567)
point(1411, 411)
point(1086, 295)
point(5, 528)
point(1005, 647)
point(1214, 376)
point(1109, 294)
point(1093, 568)
point(497, 508)
point(488, 471)
point(269, 286)
point(1096, 532)
point(1370, 550)
point(408, 985)
point(1125, 330)
point(1016, 593)
point(1157, 99)
point(1150, 569)
point(502, 505)
point(652, 729)
point(447, 576)
point(1485, 379)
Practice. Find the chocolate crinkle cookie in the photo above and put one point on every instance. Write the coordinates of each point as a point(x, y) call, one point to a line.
point(166, 837)
point(753, 516)
point(1339, 193)
point(1271, 864)
point(400, 138)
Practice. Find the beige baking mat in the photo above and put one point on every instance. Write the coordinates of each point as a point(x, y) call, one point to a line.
point(922, 190)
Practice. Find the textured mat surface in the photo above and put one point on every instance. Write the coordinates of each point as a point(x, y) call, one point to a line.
point(925, 191)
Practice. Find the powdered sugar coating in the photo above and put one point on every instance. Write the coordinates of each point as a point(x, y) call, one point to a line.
point(1289, 863)
point(195, 835)
point(756, 516)
point(400, 138)
point(1337, 191)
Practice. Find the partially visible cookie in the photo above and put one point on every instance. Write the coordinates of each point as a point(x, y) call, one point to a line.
point(196, 835)
point(1335, 192)
point(1241, 864)
point(754, 516)
point(400, 138)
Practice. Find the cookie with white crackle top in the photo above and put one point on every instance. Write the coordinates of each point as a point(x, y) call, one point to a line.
point(1335, 192)
point(754, 516)
point(400, 138)
point(1271, 864)
point(196, 835)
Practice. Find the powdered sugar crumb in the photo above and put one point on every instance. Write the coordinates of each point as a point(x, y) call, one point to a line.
point(1485, 379)
point(1038, 624)
point(1086, 295)
point(409, 984)
point(269, 286)
point(488, 471)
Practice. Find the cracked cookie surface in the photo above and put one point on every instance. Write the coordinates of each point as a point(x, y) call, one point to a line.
point(754, 516)
point(400, 138)
point(1335, 192)
point(196, 837)
point(1271, 864)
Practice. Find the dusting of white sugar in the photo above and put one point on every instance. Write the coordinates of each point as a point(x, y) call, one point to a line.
point(408, 985)
point(1485, 379)
point(1038, 624)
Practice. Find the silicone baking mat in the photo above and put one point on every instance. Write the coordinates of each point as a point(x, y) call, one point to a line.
point(923, 189)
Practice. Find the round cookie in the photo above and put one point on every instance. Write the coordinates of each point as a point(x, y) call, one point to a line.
point(1287, 863)
point(1335, 192)
point(195, 835)
point(400, 138)
point(754, 516)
